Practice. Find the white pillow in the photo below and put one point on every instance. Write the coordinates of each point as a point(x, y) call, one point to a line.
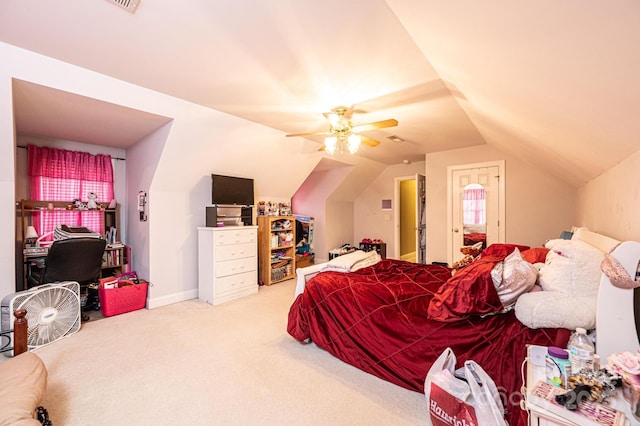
point(550, 309)
point(518, 276)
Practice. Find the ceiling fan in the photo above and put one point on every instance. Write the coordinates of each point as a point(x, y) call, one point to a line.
point(343, 131)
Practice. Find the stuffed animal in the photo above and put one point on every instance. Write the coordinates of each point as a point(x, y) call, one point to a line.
point(570, 279)
point(91, 204)
point(79, 205)
point(470, 254)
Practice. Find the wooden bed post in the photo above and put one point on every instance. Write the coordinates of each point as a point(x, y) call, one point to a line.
point(20, 328)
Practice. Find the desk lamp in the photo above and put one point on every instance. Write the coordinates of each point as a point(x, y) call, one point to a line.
point(30, 236)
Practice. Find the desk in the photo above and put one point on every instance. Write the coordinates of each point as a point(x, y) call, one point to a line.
point(114, 261)
point(31, 256)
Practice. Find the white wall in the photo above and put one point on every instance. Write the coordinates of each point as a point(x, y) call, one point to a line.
point(372, 222)
point(610, 203)
point(174, 166)
point(9, 247)
point(538, 206)
point(311, 200)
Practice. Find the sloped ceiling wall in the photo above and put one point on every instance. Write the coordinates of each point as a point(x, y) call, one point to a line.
point(552, 83)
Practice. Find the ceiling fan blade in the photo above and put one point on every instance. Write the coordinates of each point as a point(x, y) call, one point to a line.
point(309, 134)
point(392, 122)
point(368, 141)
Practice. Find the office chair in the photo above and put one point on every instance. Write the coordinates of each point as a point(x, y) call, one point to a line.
point(73, 259)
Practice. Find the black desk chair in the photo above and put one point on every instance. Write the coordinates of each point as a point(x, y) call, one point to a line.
point(73, 259)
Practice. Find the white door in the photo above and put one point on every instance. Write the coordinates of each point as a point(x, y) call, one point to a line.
point(490, 230)
point(421, 227)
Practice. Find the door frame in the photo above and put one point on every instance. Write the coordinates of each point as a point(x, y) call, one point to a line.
point(396, 212)
point(501, 201)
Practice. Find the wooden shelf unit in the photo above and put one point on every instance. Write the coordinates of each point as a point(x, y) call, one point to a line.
point(115, 258)
point(113, 261)
point(276, 248)
point(27, 207)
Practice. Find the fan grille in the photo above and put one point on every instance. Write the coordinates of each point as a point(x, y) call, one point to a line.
point(53, 312)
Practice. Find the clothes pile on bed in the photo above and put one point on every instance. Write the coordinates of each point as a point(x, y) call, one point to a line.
point(353, 261)
point(394, 319)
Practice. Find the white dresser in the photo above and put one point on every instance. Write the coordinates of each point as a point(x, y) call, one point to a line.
point(227, 263)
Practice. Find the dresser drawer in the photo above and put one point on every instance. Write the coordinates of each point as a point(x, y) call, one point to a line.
point(235, 236)
point(236, 282)
point(235, 251)
point(232, 267)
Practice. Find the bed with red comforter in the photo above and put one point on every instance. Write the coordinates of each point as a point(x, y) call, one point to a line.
point(395, 318)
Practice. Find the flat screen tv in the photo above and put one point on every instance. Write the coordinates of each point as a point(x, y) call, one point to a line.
point(231, 190)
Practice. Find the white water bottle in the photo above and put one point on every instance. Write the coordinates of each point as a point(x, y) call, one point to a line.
point(581, 351)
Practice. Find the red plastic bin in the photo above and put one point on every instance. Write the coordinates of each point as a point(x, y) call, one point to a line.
point(114, 301)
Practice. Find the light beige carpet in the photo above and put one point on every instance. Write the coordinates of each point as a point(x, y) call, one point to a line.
point(195, 364)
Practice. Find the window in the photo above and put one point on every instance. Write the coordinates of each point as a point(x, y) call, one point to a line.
point(62, 175)
point(473, 205)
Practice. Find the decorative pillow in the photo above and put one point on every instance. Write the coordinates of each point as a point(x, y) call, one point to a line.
point(617, 274)
point(518, 276)
point(502, 249)
point(469, 292)
point(496, 274)
point(535, 255)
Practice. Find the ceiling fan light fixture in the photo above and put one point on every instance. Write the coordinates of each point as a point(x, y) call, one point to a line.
point(343, 135)
point(353, 143)
point(334, 119)
point(330, 144)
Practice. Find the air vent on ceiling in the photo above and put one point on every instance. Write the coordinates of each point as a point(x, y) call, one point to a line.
point(129, 5)
point(396, 139)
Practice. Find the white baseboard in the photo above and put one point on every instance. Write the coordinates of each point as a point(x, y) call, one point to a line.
point(156, 302)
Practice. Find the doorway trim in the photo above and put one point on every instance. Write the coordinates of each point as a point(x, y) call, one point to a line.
point(396, 212)
point(501, 201)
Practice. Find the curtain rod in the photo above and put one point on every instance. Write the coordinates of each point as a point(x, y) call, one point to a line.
point(113, 158)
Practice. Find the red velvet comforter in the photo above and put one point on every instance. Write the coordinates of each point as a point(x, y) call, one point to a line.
point(473, 238)
point(378, 319)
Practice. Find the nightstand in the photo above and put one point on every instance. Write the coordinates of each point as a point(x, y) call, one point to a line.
point(540, 414)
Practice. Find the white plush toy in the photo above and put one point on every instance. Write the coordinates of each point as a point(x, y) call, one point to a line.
point(91, 204)
point(570, 279)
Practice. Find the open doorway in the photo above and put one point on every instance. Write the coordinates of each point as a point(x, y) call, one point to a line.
point(409, 218)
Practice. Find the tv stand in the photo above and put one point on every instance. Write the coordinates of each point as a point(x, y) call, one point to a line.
point(228, 215)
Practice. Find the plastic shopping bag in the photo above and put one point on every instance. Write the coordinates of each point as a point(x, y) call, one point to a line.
point(474, 401)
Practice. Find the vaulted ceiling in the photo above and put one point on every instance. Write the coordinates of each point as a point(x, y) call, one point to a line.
point(555, 83)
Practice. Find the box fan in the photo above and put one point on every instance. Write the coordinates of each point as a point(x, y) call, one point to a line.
point(53, 312)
